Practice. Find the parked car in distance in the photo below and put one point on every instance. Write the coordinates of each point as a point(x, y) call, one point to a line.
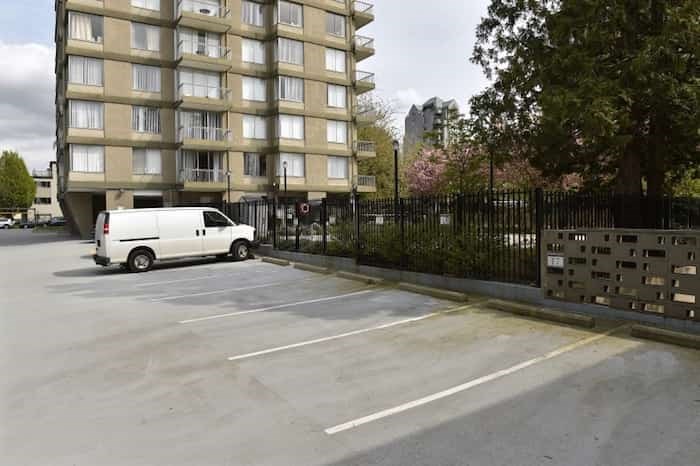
point(6, 223)
point(25, 224)
point(57, 222)
point(136, 238)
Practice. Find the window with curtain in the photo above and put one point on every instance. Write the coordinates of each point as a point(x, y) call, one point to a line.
point(145, 37)
point(254, 127)
point(253, 51)
point(290, 13)
point(146, 4)
point(202, 125)
point(337, 131)
point(86, 71)
point(289, 88)
point(254, 164)
point(335, 24)
point(197, 83)
point(252, 13)
point(337, 167)
point(87, 159)
point(336, 96)
point(85, 27)
point(86, 115)
point(291, 127)
point(335, 60)
point(146, 78)
point(146, 162)
point(295, 164)
point(202, 43)
point(145, 119)
point(254, 89)
point(290, 51)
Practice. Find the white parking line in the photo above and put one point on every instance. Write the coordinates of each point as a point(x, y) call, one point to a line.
point(279, 306)
point(466, 386)
point(228, 290)
point(348, 334)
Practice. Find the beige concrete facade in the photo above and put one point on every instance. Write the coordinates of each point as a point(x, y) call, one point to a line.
point(203, 114)
point(46, 204)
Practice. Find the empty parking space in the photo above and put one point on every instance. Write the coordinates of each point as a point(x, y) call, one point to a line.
point(207, 362)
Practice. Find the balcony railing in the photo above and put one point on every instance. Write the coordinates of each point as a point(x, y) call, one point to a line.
point(366, 180)
point(364, 77)
point(202, 7)
point(203, 91)
point(365, 146)
point(363, 7)
point(364, 42)
point(42, 173)
point(193, 47)
point(205, 133)
point(198, 175)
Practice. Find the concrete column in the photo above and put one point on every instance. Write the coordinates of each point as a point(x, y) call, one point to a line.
point(115, 199)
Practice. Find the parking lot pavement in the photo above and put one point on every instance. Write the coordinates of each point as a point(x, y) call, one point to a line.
point(221, 363)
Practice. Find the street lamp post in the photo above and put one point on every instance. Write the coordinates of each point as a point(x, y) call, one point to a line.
point(286, 220)
point(228, 186)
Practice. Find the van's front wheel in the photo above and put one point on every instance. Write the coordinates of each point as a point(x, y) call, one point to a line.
point(240, 250)
point(140, 261)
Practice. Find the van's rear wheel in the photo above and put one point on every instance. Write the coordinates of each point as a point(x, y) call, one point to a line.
point(140, 260)
point(240, 251)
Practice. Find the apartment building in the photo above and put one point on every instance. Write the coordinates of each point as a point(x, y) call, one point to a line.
point(170, 102)
point(46, 204)
point(432, 118)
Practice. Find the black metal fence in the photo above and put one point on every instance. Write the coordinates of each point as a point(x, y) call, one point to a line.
point(482, 235)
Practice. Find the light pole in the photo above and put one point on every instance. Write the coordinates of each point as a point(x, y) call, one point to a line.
point(228, 186)
point(286, 220)
point(396, 176)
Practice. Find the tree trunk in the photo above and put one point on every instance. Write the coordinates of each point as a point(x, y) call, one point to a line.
point(629, 189)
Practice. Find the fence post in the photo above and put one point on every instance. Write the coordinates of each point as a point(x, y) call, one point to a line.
point(297, 227)
point(403, 233)
point(356, 219)
point(274, 222)
point(324, 222)
point(539, 226)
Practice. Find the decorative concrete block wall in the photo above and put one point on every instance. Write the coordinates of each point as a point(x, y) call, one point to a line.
point(649, 271)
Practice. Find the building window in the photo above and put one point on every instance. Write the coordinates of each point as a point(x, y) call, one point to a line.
point(254, 164)
point(335, 60)
point(254, 89)
point(335, 24)
point(337, 132)
point(202, 125)
point(252, 13)
point(86, 115)
point(207, 44)
point(295, 165)
point(337, 167)
point(146, 78)
point(146, 162)
point(196, 83)
point(87, 159)
point(289, 88)
point(145, 119)
point(291, 127)
point(290, 13)
point(146, 4)
point(145, 37)
point(253, 51)
point(42, 200)
point(85, 27)
point(254, 127)
point(85, 71)
point(43, 184)
point(336, 96)
point(290, 51)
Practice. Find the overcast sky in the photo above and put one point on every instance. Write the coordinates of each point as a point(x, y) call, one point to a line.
point(423, 49)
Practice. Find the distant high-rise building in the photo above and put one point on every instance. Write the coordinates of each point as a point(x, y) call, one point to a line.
point(430, 118)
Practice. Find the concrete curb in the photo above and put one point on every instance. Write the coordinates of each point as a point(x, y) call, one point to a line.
point(273, 260)
point(434, 292)
point(666, 336)
point(359, 277)
point(544, 314)
point(311, 268)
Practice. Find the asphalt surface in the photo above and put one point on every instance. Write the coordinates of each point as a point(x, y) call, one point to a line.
point(220, 363)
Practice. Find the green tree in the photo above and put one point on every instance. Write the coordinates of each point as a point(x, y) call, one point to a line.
point(608, 89)
point(17, 187)
point(382, 133)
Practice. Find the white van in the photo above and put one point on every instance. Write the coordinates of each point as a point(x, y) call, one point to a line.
point(135, 238)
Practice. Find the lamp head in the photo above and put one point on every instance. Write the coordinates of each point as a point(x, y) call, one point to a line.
point(396, 145)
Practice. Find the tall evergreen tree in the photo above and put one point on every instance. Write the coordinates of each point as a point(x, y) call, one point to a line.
point(17, 187)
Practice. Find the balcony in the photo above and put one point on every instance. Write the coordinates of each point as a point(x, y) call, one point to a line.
point(366, 183)
point(364, 117)
point(203, 15)
point(193, 54)
point(364, 81)
point(42, 173)
point(362, 13)
point(363, 47)
point(197, 179)
point(203, 97)
point(365, 149)
point(204, 138)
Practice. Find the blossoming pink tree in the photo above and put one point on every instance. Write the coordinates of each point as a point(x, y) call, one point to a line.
point(425, 174)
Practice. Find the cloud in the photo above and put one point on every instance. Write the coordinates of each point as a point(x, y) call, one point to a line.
point(27, 86)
